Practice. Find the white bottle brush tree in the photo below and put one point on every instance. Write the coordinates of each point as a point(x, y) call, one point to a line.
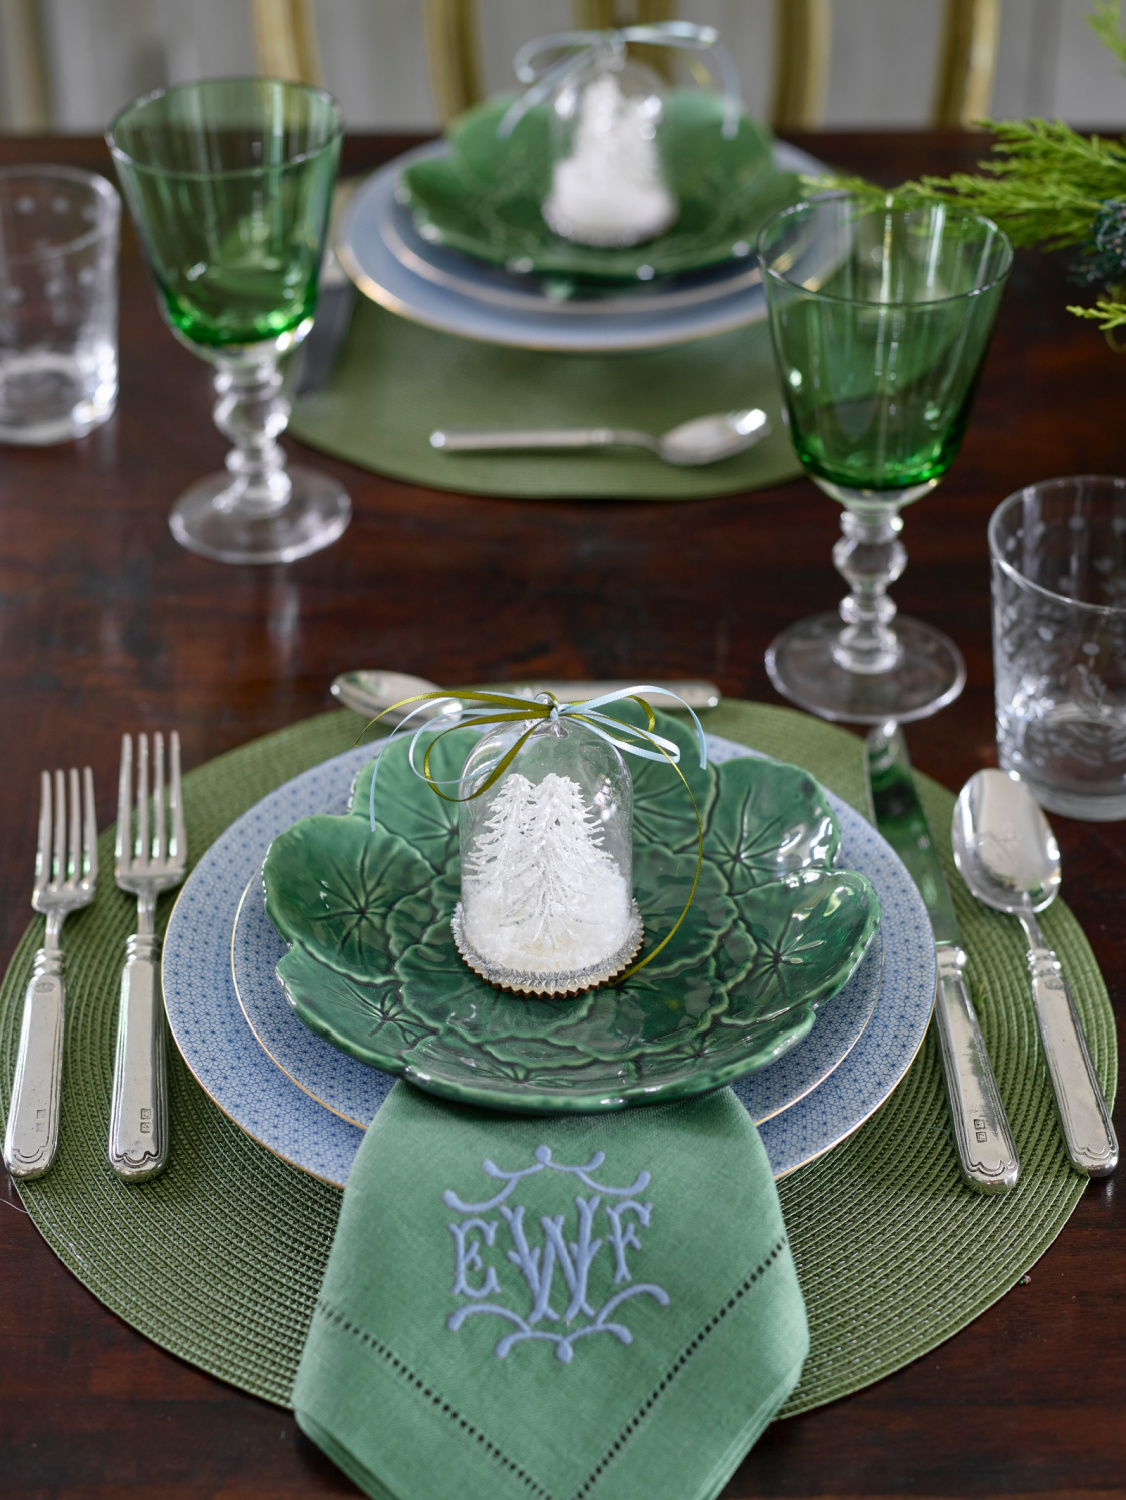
point(542, 893)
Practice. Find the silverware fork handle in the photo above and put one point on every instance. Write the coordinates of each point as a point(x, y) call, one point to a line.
point(32, 1133)
point(986, 1152)
point(1088, 1133)
point(138, 1131)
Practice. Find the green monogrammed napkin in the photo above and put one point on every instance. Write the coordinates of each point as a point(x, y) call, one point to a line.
point(598, 1307)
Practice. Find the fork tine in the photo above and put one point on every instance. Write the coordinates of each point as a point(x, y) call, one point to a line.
point(122, 846)
point(74, 831)
point(141, 847)
point(178, 846)
point(158, 796)
point(58, 863)
point(43, 850)
point(89, 829)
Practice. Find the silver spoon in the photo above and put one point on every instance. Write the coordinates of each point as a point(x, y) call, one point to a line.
point(373, 691)
point(1008, 856)
point(704, 440)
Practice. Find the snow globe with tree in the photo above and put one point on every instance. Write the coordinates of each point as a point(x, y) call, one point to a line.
point(547, 902)
point(608, 185)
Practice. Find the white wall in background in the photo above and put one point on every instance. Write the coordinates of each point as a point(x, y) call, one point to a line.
point(104, 52)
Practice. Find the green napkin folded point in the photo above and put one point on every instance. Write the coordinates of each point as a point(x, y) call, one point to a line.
point(597, 1307)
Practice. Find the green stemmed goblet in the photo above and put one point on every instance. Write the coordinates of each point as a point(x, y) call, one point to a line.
point(880, 318)
point(230, 183)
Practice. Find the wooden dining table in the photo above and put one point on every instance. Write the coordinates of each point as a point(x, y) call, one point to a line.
point(106, 625)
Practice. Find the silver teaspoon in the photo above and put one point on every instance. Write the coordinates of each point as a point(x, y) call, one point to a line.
point(704, 440)
point(1008, 856)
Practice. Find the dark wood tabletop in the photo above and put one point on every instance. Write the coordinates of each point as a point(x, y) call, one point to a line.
point(107, 624)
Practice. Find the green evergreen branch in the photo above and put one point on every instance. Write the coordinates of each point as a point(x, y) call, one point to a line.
point(1043, 186)
point(1112, 314)
point(1106, 23)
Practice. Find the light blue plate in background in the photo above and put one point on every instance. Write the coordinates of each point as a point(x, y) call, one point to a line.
point(219, 1047)
point(382, 253)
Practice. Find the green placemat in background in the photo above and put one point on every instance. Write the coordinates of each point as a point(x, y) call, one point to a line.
point(395, 382)
point(220, 1259)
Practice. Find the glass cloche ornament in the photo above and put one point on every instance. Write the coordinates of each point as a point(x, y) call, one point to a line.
point(547, 902)
point(607, 182)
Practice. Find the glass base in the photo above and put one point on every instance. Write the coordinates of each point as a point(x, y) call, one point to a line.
point(315, 514)
point(928, 674)
point(48, 397)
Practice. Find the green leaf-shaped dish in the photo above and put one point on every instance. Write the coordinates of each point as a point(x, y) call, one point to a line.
point(774, 932)
point(483, 197)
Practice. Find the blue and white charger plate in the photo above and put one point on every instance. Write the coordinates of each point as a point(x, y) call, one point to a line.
point(219, 1047)
point(390, 263)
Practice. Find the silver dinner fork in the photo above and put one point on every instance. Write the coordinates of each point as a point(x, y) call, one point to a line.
point(66, 869)
point(144, 865)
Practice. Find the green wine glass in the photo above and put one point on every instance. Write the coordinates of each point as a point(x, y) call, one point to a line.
point(880, 318)
point(230, 182)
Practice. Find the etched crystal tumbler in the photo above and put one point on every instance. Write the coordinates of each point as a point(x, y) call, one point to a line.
point(546, 861)
point(59, 230)
point(230, 183)
point(880, 319)
point(1058, 551)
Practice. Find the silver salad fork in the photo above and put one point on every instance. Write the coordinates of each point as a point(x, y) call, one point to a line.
point(66, 869)
point(138, 1128)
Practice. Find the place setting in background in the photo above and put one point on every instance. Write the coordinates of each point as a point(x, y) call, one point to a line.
point(561, 264)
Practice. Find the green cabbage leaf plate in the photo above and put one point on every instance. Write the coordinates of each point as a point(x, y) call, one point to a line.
point(483, 197)
point(774, 932)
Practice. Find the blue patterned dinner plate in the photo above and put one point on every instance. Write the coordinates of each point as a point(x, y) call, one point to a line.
point(220, 1048)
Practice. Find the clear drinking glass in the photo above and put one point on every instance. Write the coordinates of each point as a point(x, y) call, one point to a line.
point(880, 320)
point(1058, 551)
point(59, 232)
point(230, 183)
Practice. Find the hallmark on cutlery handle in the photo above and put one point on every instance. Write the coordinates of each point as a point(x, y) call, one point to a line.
point(1084, 1118)
point(986, 1151)
point(138, 1134)
point(31, 1136)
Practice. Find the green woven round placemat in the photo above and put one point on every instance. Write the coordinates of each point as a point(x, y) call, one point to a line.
point(220, 1259)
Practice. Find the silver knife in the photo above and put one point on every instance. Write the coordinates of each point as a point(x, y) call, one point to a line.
point(986, 1152)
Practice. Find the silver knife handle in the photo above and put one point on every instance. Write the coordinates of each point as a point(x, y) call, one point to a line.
point(138, 1130)
point(32, 1133)
point(986, 1151)
point(1084, 1118)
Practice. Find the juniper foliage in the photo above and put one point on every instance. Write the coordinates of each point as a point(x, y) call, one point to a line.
point(1045, 185)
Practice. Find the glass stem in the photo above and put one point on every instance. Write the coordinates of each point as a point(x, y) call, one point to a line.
point(252, 412)
point(869, 556)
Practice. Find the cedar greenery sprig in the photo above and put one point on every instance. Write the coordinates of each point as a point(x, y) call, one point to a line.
point(1045, 185)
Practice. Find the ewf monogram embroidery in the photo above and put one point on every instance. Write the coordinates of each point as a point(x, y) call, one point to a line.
point(538, 1263)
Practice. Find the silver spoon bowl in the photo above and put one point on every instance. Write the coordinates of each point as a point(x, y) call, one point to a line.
point(1008, 856)
point(704, 440)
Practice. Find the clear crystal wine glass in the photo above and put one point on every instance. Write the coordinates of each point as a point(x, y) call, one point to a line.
point(230, 182)
point(880, 318)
